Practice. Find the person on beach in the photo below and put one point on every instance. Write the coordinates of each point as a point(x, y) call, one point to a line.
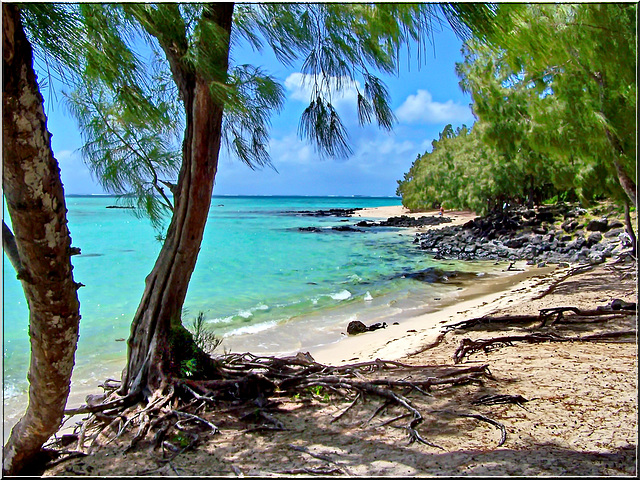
point(441, 210)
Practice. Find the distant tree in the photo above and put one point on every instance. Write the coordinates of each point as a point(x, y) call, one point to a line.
point(41, 248)
point(555, 100)
point(578, 98)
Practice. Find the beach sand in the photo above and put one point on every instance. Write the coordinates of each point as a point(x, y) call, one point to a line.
point(458, 217)
point(580, 418)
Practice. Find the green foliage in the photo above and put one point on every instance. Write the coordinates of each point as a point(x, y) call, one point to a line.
point(316, 391)
point(120, 104)
point(204, 338)
point(188, 367)
point(554, 108)
point(55, 32)
point(180, 440)
point(585, 55)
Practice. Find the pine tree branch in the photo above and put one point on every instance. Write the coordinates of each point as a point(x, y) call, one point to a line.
point(135, 151)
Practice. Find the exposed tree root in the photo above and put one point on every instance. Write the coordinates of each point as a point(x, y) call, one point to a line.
point(549, 316)
point(173, 419)
point(468, 347)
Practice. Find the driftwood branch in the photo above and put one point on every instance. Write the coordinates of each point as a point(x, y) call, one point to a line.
point(570, 273)
point(617, 309)
point(468, 347)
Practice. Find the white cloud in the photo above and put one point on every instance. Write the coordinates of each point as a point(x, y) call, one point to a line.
point(421, 108)
point(300, 87)
point(291, 150)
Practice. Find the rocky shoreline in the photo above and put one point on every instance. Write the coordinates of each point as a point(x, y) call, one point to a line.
point(548, 234)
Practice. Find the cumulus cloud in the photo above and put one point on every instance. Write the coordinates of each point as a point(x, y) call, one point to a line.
point(421, 108)
point(300, 87)
point(290, 149)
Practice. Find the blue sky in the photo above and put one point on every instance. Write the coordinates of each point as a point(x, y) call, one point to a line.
point(424, 99)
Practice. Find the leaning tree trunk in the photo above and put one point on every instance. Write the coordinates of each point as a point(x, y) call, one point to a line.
point(35, 201)
point(158, 343)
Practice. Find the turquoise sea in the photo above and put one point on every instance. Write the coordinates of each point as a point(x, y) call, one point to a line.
point(262, 283)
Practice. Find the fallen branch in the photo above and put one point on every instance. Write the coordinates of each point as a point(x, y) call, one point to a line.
point(313, 471)
point(468, 347)
point(487, 320)
point(570, 273)
point(545, 317)
point(499, 399)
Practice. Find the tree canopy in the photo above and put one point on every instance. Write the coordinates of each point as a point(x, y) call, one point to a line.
point(555, 101)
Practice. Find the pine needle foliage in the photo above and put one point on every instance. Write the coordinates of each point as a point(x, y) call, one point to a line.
point(555, 98)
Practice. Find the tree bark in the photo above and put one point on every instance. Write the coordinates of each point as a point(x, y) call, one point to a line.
point(36, 204)
point(630, 230)
point(158, 343)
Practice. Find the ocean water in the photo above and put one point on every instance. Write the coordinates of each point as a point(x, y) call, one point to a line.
point(262, 283)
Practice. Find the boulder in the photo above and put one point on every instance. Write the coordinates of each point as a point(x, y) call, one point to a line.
point(594, 238)
point(355, 327)
point(570, 225)
point(598, 225)
point(615, 224)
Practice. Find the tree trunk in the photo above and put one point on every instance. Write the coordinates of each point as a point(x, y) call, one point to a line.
point(630, 230)
point(35, 201)
point(159, 344)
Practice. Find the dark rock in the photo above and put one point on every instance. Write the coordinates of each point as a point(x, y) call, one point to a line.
point(618, 304)
point(345, 228)
point(614, 232)
point(355, 327)
point(332, 212)
point(570, 226)
point(615, 224)
point(516, 242)
point(516, 234)
point(545, 215)
point(406, 221)
point(594, 238)
point(310, 229)
point(598, 225)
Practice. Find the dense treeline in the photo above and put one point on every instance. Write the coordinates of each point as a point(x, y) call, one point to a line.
point(554, 99)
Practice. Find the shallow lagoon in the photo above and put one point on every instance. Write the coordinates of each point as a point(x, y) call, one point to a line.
point(262, 283)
